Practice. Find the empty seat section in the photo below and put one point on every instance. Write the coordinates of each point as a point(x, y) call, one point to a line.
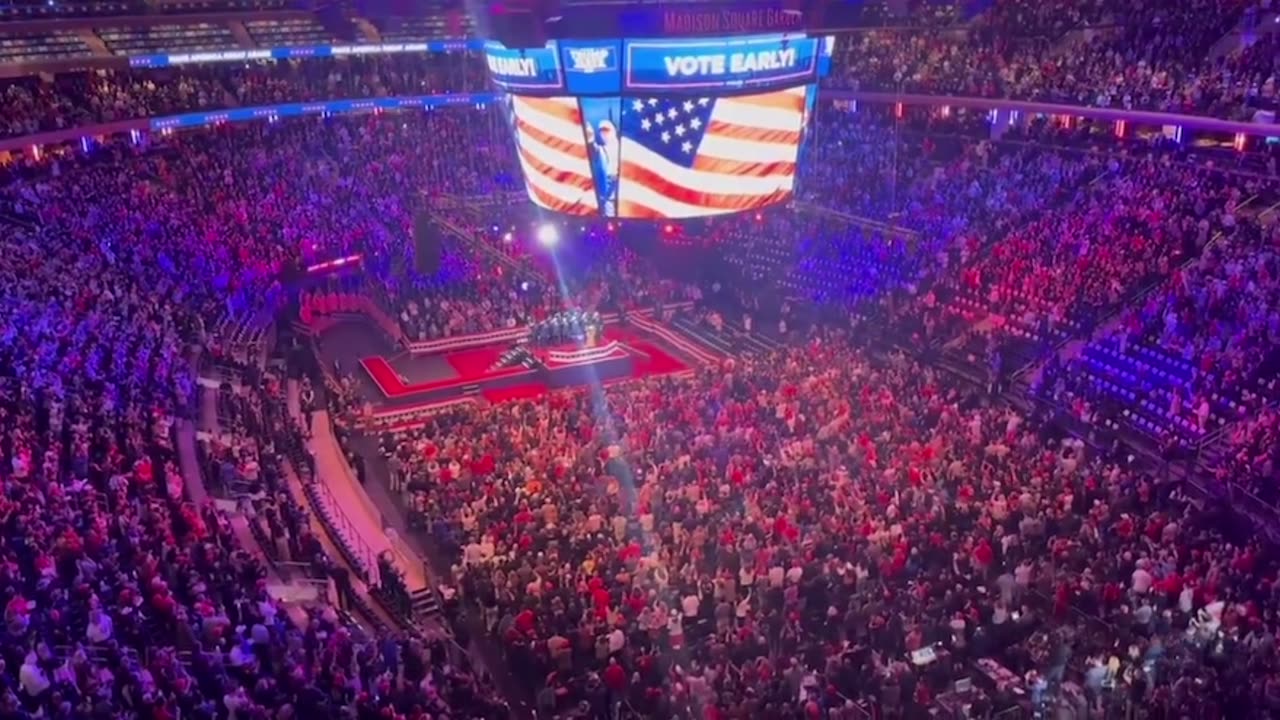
point(296, 31)
point(40, 46)
point(185, 37)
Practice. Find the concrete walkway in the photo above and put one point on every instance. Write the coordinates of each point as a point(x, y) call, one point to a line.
point(346, 499)
point(189, 461)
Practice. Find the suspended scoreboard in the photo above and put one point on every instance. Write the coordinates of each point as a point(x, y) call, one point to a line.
point(661, 128)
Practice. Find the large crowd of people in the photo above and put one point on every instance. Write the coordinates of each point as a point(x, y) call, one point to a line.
point(834, 525)
point(669, 549)
point(780, 538)
point(1203, 342)
point(942, 196)
point(1094, 52)
point(1135, 56)
point(122, 595)
point(1072, 265)
point(67, 100)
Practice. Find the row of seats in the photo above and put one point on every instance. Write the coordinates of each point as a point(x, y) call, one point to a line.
point(175, 7)
point(1155, 58)
point(1200, 352)
point(38, 46)
point(296, 31)
point(446, 23)
point(40, 9)
point(46, 9)
point(24, 47)
point(165, 38)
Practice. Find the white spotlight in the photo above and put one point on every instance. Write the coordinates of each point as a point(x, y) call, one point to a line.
point(548, 235)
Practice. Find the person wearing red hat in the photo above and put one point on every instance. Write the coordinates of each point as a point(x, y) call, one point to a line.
point(615, 678)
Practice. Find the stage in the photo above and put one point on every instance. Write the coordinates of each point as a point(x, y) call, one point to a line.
point(408, 381)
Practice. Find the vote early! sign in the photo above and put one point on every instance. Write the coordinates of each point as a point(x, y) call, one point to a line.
point(773, 60)
point(524, 69)
point(601, 67)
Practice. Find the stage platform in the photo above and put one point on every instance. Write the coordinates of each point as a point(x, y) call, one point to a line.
point(402, 388)
point(564, 367)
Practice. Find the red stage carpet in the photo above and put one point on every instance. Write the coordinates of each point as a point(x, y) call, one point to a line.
point(472, 365)
point(475, 362)
point(653, 360)
point(519, 392)
point(390, 384)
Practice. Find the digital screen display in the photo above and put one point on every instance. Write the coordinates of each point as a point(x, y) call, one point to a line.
point(660, 129)
point(711, 63)
point(553, 153)
point(526, 69)
point(592, 67)
point(602, 67)
point(661, 156)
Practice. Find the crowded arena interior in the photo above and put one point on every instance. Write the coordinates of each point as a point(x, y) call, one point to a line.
point(784, 360)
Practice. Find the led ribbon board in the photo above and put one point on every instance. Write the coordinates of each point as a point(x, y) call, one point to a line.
point(720, 63)
point(524, 69)
point(298, 52)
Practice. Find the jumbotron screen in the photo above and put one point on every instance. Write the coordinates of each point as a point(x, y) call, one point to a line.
point(660, 129)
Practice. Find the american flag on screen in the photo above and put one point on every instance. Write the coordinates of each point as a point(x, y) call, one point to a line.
point(553, 153)
point(691, 156)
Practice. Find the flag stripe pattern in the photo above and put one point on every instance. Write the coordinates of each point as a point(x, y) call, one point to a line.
point(553, 154)
point(689, 156)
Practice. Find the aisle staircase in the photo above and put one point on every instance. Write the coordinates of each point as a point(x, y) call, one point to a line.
point(732, 341)
point(241, 34)
point(477, 246)
point(696, 351)
point(1245, 33)
point(369, 33)
point(93, 42)
point(426, 604)
point(11, 221)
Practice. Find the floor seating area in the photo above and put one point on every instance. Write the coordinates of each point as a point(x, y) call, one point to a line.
point(185, 37)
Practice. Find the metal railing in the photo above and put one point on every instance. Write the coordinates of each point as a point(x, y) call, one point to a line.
point(349, 537)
